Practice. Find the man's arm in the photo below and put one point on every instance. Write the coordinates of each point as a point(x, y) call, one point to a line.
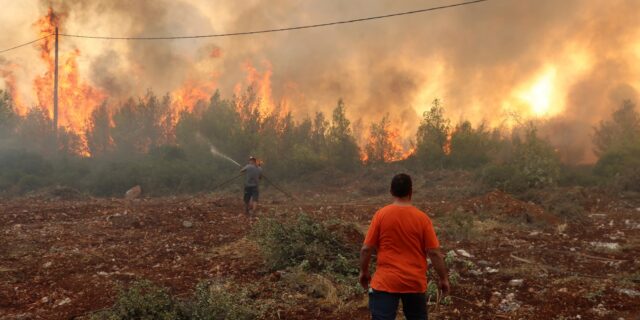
point(365, 261)
point(243, 169)
point(437, 261)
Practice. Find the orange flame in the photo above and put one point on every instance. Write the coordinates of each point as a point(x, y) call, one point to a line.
point(386, 142)
point(261, 83)
point(187, 97)
point(447, 145)
point(7, 74)
point(76, 99)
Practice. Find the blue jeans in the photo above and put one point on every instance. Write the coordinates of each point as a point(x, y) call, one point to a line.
point(384, 305)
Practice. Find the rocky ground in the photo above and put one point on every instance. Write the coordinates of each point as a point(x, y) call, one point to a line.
point(63, 257)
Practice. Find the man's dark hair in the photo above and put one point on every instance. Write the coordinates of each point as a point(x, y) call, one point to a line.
point(401, 185)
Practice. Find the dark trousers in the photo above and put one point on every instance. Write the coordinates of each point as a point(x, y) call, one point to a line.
point(384, 305)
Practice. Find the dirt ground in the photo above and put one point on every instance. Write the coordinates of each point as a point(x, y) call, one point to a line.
point(65, 258)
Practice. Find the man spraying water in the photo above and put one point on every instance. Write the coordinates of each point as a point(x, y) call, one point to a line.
point(253, 174)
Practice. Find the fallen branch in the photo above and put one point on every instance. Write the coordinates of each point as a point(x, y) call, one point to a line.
point(522, 259)
point(599, 258)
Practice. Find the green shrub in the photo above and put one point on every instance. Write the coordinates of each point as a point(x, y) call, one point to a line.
point(215, 302)
point(504, 177)
point(578, 175)
point(144, 301)
point(621, 168)
point(531, 163)
point(457, 226)
point(317, 246)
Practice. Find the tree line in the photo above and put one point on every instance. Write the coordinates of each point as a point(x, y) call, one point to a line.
point(143, 141)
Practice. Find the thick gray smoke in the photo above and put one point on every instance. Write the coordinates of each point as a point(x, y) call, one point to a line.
point(477, 58)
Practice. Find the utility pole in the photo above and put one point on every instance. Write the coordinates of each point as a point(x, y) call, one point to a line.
point(55, 92)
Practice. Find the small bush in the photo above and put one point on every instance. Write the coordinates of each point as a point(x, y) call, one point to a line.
point(621, 168)
point(317, 246)
point(532, 163)
point(457, 226)
point(145, 301)
point(215, 302)
point(504, 177)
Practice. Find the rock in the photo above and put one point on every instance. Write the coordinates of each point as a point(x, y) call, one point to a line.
point(63, 302)
point(563, 290)
point(490, 270)
point(605, 245)
point(44, 299)
point(495, 298)
point(133, 193)
point(187, 224)
point(600, 310)
point(509, 304)
point(476, 273)
point(484, 263)
point(534, 233)
point(516, 282)
point(561, 228)
point(464, 253)
point(47, 264)
point(638, 209)
point(630, 292)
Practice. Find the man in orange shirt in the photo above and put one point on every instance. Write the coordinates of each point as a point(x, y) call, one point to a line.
point(403, 237)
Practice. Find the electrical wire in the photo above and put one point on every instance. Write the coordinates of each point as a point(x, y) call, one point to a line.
point(26, 43)
point(244, 33)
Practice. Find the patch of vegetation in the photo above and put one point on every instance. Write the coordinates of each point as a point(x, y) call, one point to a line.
point(214, 301)
point(458, 225)
point(146, 301)
point(454, 277)
point(594, 295)
point(143, 300)
point(328, 246)
point(531, 163)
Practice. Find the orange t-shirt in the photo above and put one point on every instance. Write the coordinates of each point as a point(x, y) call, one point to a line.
point(401, 236)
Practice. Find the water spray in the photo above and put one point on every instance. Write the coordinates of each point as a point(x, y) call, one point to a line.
point(215, 152)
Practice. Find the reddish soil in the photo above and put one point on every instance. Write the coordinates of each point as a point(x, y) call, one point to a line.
point(65, 259)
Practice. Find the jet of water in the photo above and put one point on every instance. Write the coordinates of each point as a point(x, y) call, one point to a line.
point(215, 152)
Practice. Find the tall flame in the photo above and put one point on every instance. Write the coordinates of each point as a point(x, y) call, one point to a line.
point(76, 98)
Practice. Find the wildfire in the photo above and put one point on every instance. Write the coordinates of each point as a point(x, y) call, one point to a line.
point(539, 95)
point(19, 107)
point(447, 145)
point(261, 83)
point(186, 97)
point(384, 144)
point(76, 99)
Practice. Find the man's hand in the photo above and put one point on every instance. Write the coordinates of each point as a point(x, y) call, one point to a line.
point(365, 278)
point(444, 286)
point(437, 261)
point(365, 259)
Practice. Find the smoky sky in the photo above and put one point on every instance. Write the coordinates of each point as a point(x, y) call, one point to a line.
point(474, 58)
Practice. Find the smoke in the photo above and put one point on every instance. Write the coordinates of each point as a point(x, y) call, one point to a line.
point(484, 61)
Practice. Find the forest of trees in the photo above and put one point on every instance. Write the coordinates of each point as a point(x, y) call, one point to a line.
point(144, 142)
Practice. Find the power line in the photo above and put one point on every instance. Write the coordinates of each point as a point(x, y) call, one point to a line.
point(243, 33)
point(25, 44)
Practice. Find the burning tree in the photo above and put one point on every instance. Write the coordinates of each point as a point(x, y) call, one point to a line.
point(342, 146)
point(433, 137)
point(382, 145)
